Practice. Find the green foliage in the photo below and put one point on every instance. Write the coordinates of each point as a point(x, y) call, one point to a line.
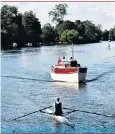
point(63, 37)
point(24, 28)
point(92, 32)
point(105, 35)
point(9, 25)
point(72, 36)
point(32, 27)
point(109, 34)
point(112, 34)
point(78, 31)
point(18, 28)
point(48, 33)
point(64, 26)
point(58, 12)
point(69, 36)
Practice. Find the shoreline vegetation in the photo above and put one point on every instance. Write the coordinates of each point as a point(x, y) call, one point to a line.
point(24, 30)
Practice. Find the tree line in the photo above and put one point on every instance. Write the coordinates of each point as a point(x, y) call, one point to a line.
point(26, 28)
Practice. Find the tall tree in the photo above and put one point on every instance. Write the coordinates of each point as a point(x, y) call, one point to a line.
point(32, 27)
point(9, 27)
point(92, 32)
point(58, 12)
point(105, 35)
point(114, 33)
point(65, 25)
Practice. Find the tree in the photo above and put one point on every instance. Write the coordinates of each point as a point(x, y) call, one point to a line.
point(32, 27)
point(64, 36)
point(48, 33)
point(72, 36)
point(9, 28)
point(105, 35)
point(65, 25)
point(92, 32)
point(113, 33)
point(58, 13)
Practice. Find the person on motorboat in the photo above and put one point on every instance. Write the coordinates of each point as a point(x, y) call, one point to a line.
point(58, 107)
point(64, 59)
point(60, 63)
point(71, 59)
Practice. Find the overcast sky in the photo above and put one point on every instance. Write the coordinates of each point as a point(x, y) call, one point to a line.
point(98, 12)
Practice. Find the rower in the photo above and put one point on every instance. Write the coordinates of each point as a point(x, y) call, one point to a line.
point(58, 107)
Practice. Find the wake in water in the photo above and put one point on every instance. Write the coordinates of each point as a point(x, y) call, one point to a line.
point(23, 78)
point(34, 79)
point(101, 75)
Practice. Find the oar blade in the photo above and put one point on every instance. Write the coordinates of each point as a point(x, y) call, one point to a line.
point(49, 111)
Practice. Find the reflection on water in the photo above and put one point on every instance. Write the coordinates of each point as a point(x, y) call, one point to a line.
point(24, 60)
point(71, 86)
point(82, 85)
point(74, 86)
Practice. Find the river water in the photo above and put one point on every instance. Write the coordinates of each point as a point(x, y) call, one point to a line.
point(27, 86)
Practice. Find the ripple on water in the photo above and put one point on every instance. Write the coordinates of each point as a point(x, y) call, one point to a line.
point(29, 89)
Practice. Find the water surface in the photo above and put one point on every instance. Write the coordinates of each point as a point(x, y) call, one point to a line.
point(27, 87)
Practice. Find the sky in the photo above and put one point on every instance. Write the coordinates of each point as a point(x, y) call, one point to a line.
point(98, 12)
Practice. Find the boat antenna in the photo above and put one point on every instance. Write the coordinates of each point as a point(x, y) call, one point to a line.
point(72, 51)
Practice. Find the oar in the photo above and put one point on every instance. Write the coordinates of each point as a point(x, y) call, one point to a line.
point(112, 116)
point(31, 113)
point(67, 108)
point(94, 113)
point(44, 108)
point(68, 112)
point(47, 111)
point(25, 115)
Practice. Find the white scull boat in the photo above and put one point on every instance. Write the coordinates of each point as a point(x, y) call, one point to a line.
point(60, 119)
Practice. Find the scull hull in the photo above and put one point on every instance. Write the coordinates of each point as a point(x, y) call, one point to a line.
point(62, 119)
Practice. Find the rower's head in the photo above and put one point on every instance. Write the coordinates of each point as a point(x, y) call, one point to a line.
point(58, 99)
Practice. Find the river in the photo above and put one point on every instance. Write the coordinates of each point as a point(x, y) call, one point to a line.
point(27, 86)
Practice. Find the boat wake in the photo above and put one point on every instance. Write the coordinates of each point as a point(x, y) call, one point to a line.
point(25, 78)
point(41, 80)
point(101, 75)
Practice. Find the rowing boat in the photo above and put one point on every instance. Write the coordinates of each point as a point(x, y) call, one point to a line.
point(64, 120)
point(59, 119)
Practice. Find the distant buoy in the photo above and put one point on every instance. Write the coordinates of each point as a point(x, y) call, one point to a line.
point(29, 44)
point(15, 45)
